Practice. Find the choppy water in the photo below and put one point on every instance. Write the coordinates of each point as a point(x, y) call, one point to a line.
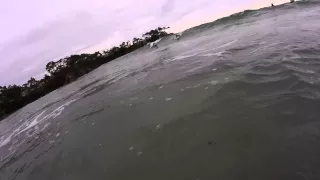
point(234, 99)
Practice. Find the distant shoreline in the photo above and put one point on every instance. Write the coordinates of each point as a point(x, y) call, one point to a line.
point(69, 69)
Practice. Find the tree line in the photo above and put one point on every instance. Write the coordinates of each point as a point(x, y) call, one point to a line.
point(66, 70)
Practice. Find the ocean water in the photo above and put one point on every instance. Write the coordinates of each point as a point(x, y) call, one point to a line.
point(237, 98)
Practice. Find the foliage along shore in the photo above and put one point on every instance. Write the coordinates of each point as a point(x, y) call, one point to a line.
point(67, 70)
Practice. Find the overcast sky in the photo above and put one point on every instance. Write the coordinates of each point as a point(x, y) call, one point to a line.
point(34, 32)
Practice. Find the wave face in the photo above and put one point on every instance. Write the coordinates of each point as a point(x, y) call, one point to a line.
point(251, 15)
point(237, 98)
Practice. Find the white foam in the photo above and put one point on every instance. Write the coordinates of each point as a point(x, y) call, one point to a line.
point(5, 142)
point(219, 54)
point(194, 69)
point(34, 122)
point(214, 82)
point(227, 44)
point(179, 57)
point(45, 126)
point(168, 99)
point(53, 114)
point(27, 126)
point(223, 45)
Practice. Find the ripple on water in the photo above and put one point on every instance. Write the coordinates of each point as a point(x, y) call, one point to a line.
point(31, 126)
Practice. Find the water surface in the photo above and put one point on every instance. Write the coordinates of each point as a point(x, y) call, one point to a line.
point(234, 99)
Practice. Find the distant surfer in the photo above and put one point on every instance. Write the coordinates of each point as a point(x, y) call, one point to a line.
point(153, 45)
point(177, 36)
point(272, 5)
point(291, 1)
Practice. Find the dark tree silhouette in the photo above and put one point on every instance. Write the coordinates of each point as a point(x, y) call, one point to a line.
point(67, 70)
